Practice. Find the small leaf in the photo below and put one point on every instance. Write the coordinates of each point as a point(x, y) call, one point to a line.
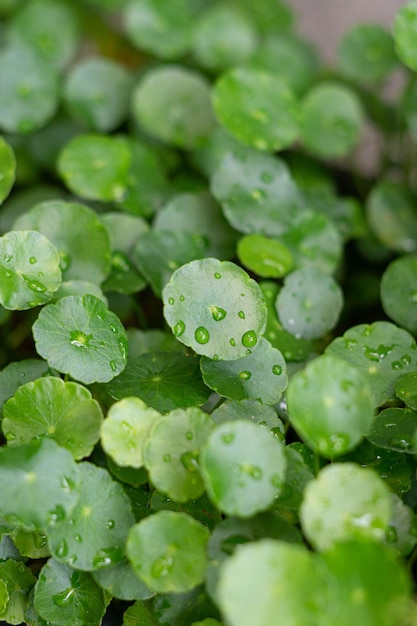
point(266, 257)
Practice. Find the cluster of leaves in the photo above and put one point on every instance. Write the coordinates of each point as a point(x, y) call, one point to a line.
point(208, 393)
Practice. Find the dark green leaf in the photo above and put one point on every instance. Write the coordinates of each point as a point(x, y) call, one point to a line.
point(394, 429)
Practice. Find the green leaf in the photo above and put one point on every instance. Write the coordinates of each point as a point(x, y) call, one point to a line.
point(7, 169)
point(17, 373)
point(79, 336)
point(391, 211)
point(271, 580)
point(223, 36)
point(399, 292)
point(330, 405)
point(394, 429)
point(227, 318)
point(29, 92)
point(138, 614)
point(405, 34)
point(50, 28)
point(310, 303)
point(259, 376)
point(176, 609)
point(172, 103)
point(256, 192)
point(201, 509)
point(297, 475)
point(96, 167)
point(66, 596)
point(257, 108)
point(125, 429)
point(243, 467)
point(96, 93)
point(16, 580)
point(151, 340)
point(345, 502)
point(168, 551)
point(253, 410)
point(366, 53)
point(29, 269)
point(94, 535)
point(381, 351)
point(171, 453)
point(406, 389)
point(49, 407)
point(38, 483)
point(121, 582)
point(266, 257)
point(163, 380)
point(331, 120)
point(32, 544)
point(163, 29)
point(78, 288)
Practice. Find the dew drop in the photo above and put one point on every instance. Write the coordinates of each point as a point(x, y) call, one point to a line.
point(277, 370)
point(8, 258)
point(245, 375)
point(189, 435)
point(249, 339)
point(179, 328)
point(232, 342)
point(182, 298)
point(107, 556)
point(162, 567)
point(255, 472)
point(217, 275)
point(215, 357)
point(228, 438)
point(80, 339)
point(241, 315)
point(189, 461)
point(171, 300)
point(397, 365)
point(113, 328)
point(167, 458)
point(78, 538)
point(406, 359)
point(8, 274)
point(111, 523)
point(113, 366)
point(32, 260)
point(400, 443)
point(217, 313)
point(10, 436)
point(122, 348)
point(62, 549)
point(64, 599)
point(202, 335)
point(35, 285)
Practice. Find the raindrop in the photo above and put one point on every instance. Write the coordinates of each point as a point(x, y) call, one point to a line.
point(277, 370)
point(228, 438)
point(179, 328)
point(400, 443)
point(217, 313)
point(249, 339)
point(107, 556)
point(10, 436)
point(259, 195)
point(167, 458)
point(171, 300)
point(217, 275)
point(80, 339)
point(78, 538)
point(232, 342)
point(122, 348)
point(245, 375)
point(32, 260)
point(202, 335)
point(111, 523)
point(64, 599)
point(406, 359)
point(35, 285)
point(254, 472)
point(241, 315)
point(113, 366)
point(182, 298)
point(397, 365)
point(8, 258)
point(162, 566)
point(189, 435)
point(62, 549)
point(113, 328)
point(189, 461)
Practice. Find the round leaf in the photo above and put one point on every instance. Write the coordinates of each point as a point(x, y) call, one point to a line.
point(394, 429)
point(79, 336)
point(253, 410)
point(259, 376)
point(96, 167)
point(121, 582)
point(38, 483)
point(399, 292)
point(171, 453)
point(29, 269)
point(125, 429)
point(266, 257)
point(50, 407)
point(310, 303)
point(405, 34)
point(172, 104)
point(366, 53)
point(257, 108)
point(330, 405)
point(75, 230)
point(406, 389)
point(243, 467)
point(331, 120)
point(94, 535)
point(168, 551)
point(343, 503)
point(17, 373)
point(215, 308)
point(7, 169)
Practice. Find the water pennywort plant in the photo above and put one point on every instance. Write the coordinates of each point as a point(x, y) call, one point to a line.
point(208, 318)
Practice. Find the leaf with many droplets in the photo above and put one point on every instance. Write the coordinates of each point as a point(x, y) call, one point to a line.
point(16, 581)
point(172, 103)
point(394, 428)
point(67, 596)
point(345, 502)
point(259, 376)
point(330, 405)
point(266, 257)
point(171, 453)
point(121, 582)
point(405, 34)
point(253, 410)
point(29, 269)
point(29, 90)
point(381, 351)
point(158, 253)
point(79, 336)
point(49, 407)
point(125, 430)
point(310, 303)
point(38, 483)
point(97, 93)
point(331, 120)
point(243, 467)
point(94, 535)
point(168, 551)
point(406, 389)
point(215, 308)
point(7, 169)
point(163, 380)
point(257, 108)
point(257, 192)
point(18, 373)
point(96, 167)
point(399, 292)
point(366, 53)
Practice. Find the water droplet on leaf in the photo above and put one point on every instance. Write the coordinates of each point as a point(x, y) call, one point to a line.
point(64, 599)
point(217, 275)
point(189, 460)
point(217, 313)
point(32, 260)
point(113, 366)
point(232, 342)
point(277, 370)
point(245, 375)
point(35, 285)
point(202, 335)
point(162, 567)
point(249, 339)
point(171, 300)
point(167, 458)
point(241, 315)
point(62, 549)
point(228, 438)
point(179, 328)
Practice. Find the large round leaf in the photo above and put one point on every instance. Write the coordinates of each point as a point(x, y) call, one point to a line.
point(50, 407)
point(399, 292)
point(168, 551)
point(121, 582)
point(79, 336)
point(215, 308)
point(29, 269)
point(257, 108)
point(243, 467)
